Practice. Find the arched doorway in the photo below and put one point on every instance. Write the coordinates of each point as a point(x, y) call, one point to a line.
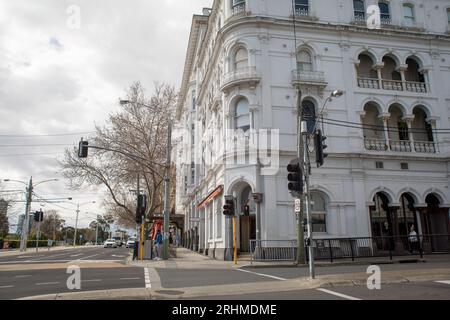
point(435, 224)
point(247, 218)
point(407, 215)
point(382, 222)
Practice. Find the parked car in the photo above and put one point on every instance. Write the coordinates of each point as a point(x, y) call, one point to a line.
point(130, 243)
point(89, 243)
point(110, 243)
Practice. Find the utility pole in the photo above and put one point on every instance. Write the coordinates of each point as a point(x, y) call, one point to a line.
point(300, 148)
point(76, 226)
point(96, 232)
point(26, 220)
point(142, 233)
point(167, 193)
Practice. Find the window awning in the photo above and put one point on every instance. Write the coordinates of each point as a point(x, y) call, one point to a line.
point(214, 194)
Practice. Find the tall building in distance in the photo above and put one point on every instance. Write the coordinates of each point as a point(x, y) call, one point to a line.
point(388, 136)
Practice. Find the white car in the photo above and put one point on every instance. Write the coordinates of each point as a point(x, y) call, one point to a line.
point(130, 243)
point(110, 243)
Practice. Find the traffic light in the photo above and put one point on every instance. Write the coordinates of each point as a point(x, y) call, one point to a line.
point(38, 216)
point(295, 177)
point(83, 149)
point(141, 207)
point(228, 208)
point(319, 140)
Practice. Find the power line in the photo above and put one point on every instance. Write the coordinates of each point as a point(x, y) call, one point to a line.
point(28, 154)
point(34, 145)
point(44, 135)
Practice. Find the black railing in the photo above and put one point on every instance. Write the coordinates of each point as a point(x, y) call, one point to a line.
point(354, 248)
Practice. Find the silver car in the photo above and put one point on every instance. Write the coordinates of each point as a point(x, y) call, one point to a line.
point(110, 243)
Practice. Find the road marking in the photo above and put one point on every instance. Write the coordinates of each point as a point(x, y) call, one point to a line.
point(444, 281)
point(93, 280)
point(46, 283)
point(76, 255)
point(338, 294)
point(148, 285)
point(262, 274)
point(117, 256)
point(23, 276)
point(6, 287)
point(131, 279)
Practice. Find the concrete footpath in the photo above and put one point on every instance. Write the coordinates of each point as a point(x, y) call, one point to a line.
point(190, 260)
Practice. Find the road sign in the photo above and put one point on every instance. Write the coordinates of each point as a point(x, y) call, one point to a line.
point(297, 206)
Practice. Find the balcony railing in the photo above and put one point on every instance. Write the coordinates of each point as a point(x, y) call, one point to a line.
point(375, 144)
point(308, 77)
point(400, 145)
point(386, 20)
point(368, 83)
point(241, 75)
point(302, 11)
point(359, 17)
point(393, 85)
point(416, 86)
point(425, 146)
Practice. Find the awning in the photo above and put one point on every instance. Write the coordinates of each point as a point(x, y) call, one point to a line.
point(214, 194)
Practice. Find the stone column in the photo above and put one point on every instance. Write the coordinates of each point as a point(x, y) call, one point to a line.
point(402, 68)
point(409, 119)
point(379, 67)
point(385, 117)
point(432, 122)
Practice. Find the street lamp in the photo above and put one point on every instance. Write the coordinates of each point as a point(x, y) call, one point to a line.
point(29, 199)
point(76, 221)
point(166, 185)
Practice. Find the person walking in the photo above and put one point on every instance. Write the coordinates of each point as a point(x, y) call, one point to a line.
point(157, 245)
point(413, 240)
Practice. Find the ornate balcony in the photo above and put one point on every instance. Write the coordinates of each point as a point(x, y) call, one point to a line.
point(425, 146)
point(308, 78)
point(400, 145)
point(368, 83)
point(393, 85)
point(247, 75)
point(238, 9)
point(375, 144)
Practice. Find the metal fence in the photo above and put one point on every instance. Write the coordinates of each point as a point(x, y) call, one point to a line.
point(352, 248)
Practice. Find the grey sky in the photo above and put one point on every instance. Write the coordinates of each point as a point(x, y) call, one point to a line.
point(58, 76)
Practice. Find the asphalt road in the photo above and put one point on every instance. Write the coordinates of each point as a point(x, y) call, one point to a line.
point(408, 291)
point(65, 256)
point(37, 280)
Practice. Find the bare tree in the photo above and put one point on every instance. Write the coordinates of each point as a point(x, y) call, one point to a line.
point(52, 224)
point(133, 142)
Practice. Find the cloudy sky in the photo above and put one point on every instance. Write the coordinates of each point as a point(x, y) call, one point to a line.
point(63, 67)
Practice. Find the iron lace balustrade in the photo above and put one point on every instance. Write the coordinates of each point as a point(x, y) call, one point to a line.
point(238, 8)
point(301, 11)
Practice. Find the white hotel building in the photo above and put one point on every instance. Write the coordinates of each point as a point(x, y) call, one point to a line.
point(388, 135)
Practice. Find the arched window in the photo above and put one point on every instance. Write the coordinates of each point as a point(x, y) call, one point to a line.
point(304, 61)
point(242, 115)
point(385, 12)
point(240, 59)
point(408, 15)
point(359, 10)
point(309, 115)
point(318, 212)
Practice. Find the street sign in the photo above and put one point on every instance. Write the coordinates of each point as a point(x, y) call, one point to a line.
point(297, 206)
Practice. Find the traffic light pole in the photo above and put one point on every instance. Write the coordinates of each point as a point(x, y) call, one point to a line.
point(306, 170)
point(300, 233)
point(38, 236)
point(167, 194)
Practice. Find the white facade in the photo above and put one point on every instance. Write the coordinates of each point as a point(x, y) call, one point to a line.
point(242, 66)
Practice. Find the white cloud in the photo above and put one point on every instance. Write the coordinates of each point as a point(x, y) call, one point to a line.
point(56, 79)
